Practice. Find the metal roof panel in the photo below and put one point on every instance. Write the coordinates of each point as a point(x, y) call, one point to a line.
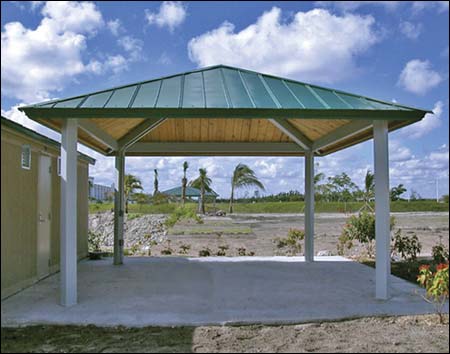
point(147, 95)
point(121, 97)
point(169, 95)
point(193, 91)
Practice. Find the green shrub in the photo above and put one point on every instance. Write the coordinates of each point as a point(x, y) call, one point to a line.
point(205, 252)
point(242, 251)
point(360, 227)
point(182, 213)
point(408, 247)
point(293, 241)
point(440, 252)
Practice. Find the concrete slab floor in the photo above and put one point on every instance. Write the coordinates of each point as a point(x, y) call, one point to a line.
point(213, 291)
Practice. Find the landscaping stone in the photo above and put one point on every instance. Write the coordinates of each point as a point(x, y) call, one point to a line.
point(139, 231)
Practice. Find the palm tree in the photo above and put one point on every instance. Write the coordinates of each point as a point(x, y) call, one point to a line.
point(202, 182)
point(155, 183)
point(130, 184)
point(243, 176)
point(369, 190)
point(184, 182)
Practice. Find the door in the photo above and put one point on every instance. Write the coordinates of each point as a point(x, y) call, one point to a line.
point(44, 216)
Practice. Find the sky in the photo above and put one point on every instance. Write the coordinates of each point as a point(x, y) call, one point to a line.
point(395, 51)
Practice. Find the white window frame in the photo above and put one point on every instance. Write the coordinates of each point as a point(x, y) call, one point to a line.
point(25, 166)
point(58, 165)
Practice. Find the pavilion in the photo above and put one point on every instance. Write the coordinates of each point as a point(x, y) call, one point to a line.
point(220, 111)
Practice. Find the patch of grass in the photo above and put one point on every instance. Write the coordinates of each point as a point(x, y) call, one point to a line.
point(277, 207)
point(206, 231)
point(90, 339)
point(402, 269)
point(182, 213)
point(132, 216)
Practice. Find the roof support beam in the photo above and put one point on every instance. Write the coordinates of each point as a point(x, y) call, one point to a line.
point(138, 132)
point(94, 131)
point(292, 132)
point(215, 148)
point(342, 133)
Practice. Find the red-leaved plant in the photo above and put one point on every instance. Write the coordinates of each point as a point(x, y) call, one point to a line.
point(436, 286)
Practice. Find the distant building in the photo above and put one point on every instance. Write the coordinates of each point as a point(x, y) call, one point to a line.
point(99, 191)
point(191, 193)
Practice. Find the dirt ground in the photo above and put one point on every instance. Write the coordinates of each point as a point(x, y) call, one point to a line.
point(256, 233)
point(408, 334)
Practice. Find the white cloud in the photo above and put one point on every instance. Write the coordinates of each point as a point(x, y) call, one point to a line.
point(315, 46)
point(427, 124)
point(354, 5)
point(410, 30)
point(133, 46)
point(171, 14)
point(439, 6)
point(398, 152)
point(418, 77)
point(416, 7)
point(36, 62)
point(115, 26)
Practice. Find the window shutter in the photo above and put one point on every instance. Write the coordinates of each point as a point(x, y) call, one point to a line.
point(26, 157)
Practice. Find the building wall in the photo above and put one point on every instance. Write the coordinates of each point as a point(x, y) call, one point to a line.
point(19, 211)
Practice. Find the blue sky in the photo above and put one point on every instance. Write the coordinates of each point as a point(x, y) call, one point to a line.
point(389, 50)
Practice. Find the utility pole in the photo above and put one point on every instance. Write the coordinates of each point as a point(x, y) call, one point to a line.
point(437, 190)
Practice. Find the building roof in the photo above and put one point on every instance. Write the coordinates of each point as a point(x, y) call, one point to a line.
point(190, 192)
point(5, 122)
point(221, 104)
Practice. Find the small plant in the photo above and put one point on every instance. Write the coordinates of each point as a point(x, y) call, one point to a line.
point(168, 250)
point(242, 251)
point(436, 285)
point(184, 249)
point(293, 241)
point(362, 229)
point(407, 246)
point(222, 251)
point(440, 252)
point(205, 252)
point(344, 243)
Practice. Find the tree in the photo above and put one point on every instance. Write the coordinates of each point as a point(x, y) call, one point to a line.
point(184, 182)
point(131, 183)
point(369, 190)
point(202, 182)
point(243, 176)
point(155, 182)
point(141, 199)
point(341, 187)
point(396, 192)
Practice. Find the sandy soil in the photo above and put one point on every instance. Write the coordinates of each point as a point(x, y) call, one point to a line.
point(256, 233)
point(409, 334)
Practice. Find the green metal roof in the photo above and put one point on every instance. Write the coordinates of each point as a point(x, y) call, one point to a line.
point(218, 88)
point(190, 192)
point(5, 122)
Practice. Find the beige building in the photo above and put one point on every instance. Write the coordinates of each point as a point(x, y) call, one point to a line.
point(30, 216)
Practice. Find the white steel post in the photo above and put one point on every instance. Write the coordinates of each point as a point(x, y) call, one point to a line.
point(309, 206)
point(382, 212)
point(68, 244)
point(119, 204)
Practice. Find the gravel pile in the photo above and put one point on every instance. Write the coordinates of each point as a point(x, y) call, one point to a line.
point(140, 231)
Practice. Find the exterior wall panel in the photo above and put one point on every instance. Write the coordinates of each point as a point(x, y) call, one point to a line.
point(19, 212)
